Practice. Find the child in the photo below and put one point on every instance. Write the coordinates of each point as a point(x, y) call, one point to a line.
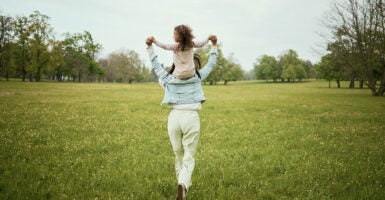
point(183, 51)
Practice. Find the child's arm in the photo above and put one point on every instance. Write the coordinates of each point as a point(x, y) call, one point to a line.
point(201, 43)
point(165, 46)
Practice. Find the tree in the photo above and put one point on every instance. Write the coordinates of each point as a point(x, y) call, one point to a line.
point(327, 69)
point(288, 67)
point(56, 62)
point(124, 66)
point(289, 73)
point(80, 51)
point(266, 68)
point(22, 48)
point(231, 70)
point(40, 31)
point(300, 72)
point(287, 62)
point(360, 26)
point(6, 32)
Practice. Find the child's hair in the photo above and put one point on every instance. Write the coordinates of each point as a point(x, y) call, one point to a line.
point(185, 37)
point(197, 63)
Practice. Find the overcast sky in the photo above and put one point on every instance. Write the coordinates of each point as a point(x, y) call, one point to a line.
point(245, 28)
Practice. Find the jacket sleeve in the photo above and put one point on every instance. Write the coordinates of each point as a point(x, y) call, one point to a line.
point(208, 68)
point(166, 46)
point(157, 67)
point(201, 43)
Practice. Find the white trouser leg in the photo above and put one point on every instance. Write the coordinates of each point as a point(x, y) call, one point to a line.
point(184, 130)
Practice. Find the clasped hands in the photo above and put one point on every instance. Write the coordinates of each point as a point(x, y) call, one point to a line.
point(212, 38)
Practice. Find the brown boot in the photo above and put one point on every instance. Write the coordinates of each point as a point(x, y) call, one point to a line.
point(181, 192)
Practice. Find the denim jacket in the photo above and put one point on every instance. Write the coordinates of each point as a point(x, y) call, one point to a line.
point(186, 91)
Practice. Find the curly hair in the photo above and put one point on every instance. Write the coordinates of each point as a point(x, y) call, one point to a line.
point(185, 37)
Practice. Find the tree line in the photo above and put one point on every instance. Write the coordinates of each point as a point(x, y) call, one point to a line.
point(356, 51)
point(30, 51)
point(288, 67)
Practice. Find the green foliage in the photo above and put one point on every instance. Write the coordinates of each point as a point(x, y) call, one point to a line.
point(267, 68)
point(289, 72)
point(288, 67)
point(5, 45)
point(28, 49)
point(226, 69)
point(79, 57)
point(258, 141)
point(358, 29)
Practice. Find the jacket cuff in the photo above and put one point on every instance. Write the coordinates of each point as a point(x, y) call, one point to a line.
point(151, 53)
point(214, 50)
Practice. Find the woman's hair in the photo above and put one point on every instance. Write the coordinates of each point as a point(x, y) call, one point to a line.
point(185, 37)
point(197, 63)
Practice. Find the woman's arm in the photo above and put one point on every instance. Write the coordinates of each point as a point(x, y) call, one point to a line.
point(156, 66)
point(209, 67)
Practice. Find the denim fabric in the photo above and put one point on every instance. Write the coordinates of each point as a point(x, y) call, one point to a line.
point(186, 91)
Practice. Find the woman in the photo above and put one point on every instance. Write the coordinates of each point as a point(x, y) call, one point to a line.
point(184, 97)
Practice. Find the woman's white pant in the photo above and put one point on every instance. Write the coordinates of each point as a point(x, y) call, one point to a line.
point(184, 130)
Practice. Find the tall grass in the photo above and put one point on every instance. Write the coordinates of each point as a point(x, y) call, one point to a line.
point(258, 141)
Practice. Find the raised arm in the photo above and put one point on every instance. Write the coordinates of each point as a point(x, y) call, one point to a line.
point(165, 46)
point(209, 67)
point(201, 43)
point(156, 66)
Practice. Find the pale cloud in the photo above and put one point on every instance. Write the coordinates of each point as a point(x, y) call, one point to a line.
point(247, 28)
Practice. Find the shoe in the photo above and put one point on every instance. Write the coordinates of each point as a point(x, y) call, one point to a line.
point(181, 192)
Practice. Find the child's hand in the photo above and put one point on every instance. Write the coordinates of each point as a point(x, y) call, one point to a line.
point(149, 41)
point(153, 39)
point(213, 39)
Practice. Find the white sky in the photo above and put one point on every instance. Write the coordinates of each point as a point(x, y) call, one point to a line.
point(246, 28)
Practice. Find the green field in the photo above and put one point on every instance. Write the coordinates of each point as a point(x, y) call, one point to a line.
point(258, 141)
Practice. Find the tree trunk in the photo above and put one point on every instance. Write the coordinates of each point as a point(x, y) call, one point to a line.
point(361, 84)
point(58, 77)
point(23, 75)
point(372, 87)
point(352, 85)
point(329, 83)
point(338, 83)
point(381, 90)
point(225, 82)
point(37, 75)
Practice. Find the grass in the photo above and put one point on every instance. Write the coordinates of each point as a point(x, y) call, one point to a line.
point(258, 141)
